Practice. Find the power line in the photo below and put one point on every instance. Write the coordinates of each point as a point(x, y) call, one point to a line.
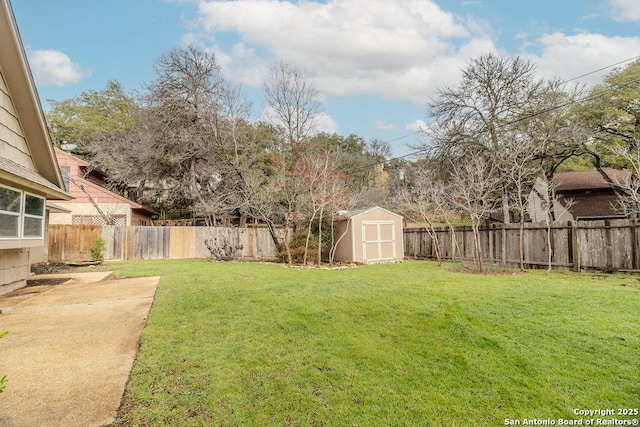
point(602, 69)
point(547, 110)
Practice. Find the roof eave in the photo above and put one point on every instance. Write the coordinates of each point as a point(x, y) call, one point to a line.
point(48, 192)
point(25, 97)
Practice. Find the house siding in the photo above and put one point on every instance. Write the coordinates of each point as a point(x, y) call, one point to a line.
point(14, 263)
point(87, 209)
point(27, 163)
point(14, 269)
point(137, 219)
point(13, 145)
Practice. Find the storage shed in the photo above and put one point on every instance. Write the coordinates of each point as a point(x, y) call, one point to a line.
point(369, 236)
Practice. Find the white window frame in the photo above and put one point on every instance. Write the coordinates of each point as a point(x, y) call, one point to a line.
point(14, 214)
point(25, 215)
point(22, 215)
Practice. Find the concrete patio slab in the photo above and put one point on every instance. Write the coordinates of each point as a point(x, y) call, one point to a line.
point(70, 348)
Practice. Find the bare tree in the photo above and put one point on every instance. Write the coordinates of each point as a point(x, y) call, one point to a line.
point(293, 106)
point(627, 181)
point(521, 170)
point(326, 191)
point(424, 201)
point(293, 101)
point(473, 188)
point(550, 208)
point(185, 101)
point(378, 149)
point(483, 113)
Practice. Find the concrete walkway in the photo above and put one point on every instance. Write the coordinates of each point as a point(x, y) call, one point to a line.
point(70, 348)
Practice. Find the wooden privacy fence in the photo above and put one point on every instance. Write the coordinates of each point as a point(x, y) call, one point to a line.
point(608, 245)
point(72, 243)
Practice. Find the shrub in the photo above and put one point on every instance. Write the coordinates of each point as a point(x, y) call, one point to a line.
point(97, 249)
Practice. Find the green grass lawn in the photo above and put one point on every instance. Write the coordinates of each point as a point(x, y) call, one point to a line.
point(406, 344)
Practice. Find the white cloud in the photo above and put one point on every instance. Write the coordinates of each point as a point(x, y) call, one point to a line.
point(242, 64)
point(417, 126)
point(382, 125)
point(570, 56)
point(400, 49)
point(325, 123)
point(625, 10)
point(54, 68)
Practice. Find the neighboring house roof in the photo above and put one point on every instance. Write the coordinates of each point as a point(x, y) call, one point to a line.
point(588, 194)
point(592, 205)
point(15, 71)
point(588, 180)
point(96, 190)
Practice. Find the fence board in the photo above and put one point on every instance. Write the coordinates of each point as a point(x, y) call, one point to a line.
point(68, 243)
point(599, 245)
point(72, 244)
point(603, 245)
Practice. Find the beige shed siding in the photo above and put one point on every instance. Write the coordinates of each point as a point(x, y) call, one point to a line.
point(13, 145)
point(374, 235)
point(344, 241)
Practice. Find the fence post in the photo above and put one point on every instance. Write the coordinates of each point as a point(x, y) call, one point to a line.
point(504, 244)
point(575, 245)
point(608, 243)
point(634, 243)
point(452, 243)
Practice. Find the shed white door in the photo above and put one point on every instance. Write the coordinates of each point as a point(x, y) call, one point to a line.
point(378, 241)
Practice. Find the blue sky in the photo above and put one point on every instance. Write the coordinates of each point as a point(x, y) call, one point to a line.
point(376, 63)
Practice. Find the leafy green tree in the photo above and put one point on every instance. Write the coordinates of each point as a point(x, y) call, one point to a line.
point(612, 114)
point(91, 115)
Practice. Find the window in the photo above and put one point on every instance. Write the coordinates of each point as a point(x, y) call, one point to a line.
point(21, 214)
point(33, 226)
point(10, 209)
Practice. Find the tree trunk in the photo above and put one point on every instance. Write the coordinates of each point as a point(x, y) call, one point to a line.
point(274, 236)
point(285, 242)
point(455, 244)
point(521, 242)
point(435, 242)
point(477, 246)
point(549, 246)
point(308, 237)
point(319, 260)
point(505, 206)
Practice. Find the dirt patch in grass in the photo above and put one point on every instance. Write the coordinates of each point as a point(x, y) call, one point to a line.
point(489, 269)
